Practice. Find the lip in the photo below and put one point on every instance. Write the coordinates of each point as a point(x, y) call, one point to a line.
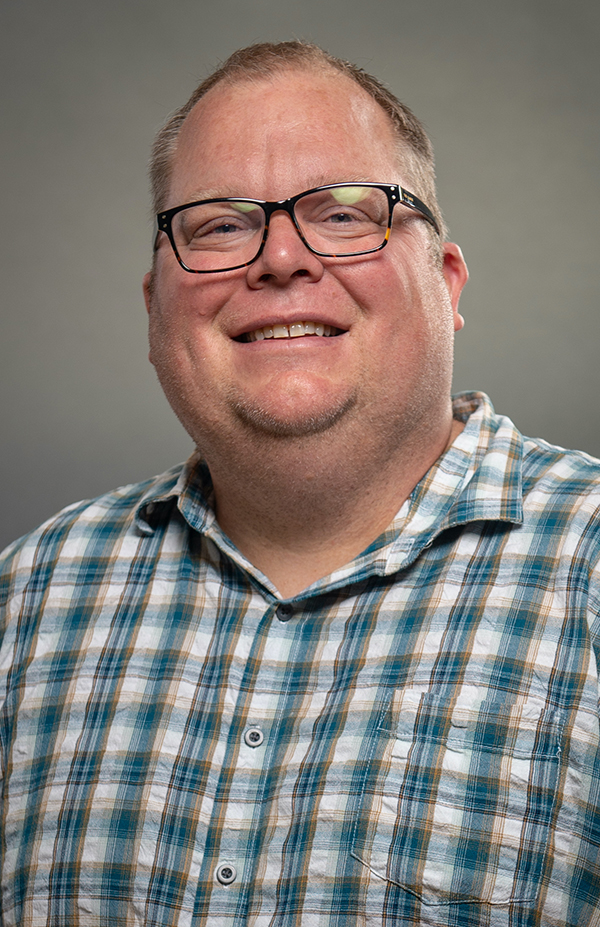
point(289, 346)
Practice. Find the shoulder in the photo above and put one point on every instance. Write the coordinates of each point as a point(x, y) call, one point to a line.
point(541, 458)
point(77, 530)
point(561, 509)
point(567, 479)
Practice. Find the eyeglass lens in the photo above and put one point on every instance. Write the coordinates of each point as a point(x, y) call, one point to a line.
point(342, 220)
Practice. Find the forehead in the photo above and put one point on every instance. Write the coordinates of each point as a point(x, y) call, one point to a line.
point(291, 131)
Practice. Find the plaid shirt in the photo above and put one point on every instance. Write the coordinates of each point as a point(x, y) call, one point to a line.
point(412, 740)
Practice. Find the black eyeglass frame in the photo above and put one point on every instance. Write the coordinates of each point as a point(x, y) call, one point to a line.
point(394, 192)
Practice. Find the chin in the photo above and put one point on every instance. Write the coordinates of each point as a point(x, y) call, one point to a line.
point(266, 423)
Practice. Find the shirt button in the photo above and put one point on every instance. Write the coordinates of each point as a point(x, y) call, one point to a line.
point(285, 612)
point(226, 873)
point(253, 737)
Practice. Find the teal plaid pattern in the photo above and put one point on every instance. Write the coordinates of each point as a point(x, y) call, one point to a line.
point(425, 720)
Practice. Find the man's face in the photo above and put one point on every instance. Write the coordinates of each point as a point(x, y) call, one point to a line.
point(387, 368)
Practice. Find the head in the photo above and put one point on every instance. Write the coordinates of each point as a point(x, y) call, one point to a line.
point(273, 122)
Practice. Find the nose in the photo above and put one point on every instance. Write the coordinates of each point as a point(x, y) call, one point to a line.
point(284, 256)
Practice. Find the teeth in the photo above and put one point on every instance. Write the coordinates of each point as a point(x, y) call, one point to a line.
point(295, 330)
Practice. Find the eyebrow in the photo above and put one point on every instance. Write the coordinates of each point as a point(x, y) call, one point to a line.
point(211, 194)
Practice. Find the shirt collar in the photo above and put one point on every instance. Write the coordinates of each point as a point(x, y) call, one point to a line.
point(189, 487)
point(479, 478)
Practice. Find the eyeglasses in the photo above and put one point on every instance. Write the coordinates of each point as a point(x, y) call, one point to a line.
point(336, 220)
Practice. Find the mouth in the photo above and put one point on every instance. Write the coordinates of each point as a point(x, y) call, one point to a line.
point(291, 330)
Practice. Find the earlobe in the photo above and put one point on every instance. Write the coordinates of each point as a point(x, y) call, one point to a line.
point(456, 275)
point(459, 321)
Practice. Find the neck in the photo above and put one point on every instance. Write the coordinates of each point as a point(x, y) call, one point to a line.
point(300, 508)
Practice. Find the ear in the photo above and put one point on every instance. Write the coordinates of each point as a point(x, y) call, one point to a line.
point(456, 275)
point(147, 285)
point(147, 288)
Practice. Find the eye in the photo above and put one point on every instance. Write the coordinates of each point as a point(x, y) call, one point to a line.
point(217, 225)
point(345, 218)
point(332, 222)
point(352, 210)
point(221, 226)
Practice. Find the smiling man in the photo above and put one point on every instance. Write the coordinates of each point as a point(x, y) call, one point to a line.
point(341, 666)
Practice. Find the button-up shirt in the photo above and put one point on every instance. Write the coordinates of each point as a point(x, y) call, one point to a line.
point(411, 740)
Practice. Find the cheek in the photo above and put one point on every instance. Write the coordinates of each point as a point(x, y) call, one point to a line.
point(181, 297)
point(183, 314)
point(372, 287)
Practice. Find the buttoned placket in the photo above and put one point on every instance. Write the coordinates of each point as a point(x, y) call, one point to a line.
point(249, 747)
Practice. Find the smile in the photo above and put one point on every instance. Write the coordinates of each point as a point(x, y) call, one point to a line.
point(293, 330)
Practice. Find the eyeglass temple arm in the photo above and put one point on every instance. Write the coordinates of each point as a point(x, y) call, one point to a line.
point(413, 202)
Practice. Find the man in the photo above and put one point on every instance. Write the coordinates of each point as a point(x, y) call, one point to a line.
point(340, 668)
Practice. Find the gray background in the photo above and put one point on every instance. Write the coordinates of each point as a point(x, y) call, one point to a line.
point(510, 94)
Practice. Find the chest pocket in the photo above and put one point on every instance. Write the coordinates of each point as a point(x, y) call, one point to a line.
point(460, 804)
